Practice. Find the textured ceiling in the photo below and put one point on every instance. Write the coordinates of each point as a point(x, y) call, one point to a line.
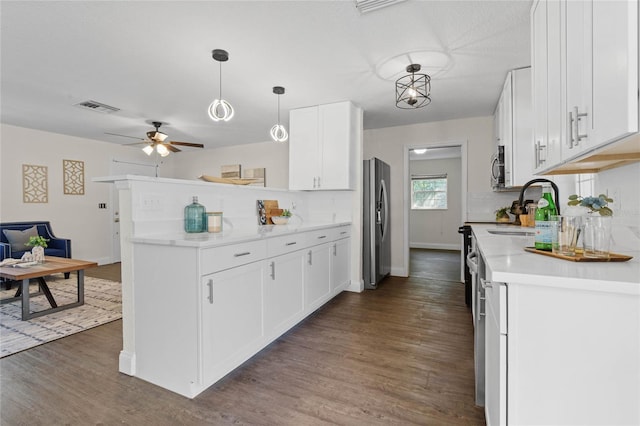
point(153, 61)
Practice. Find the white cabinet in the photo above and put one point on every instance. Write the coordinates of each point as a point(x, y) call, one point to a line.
point(283, 292)
point(322, 146)
point(340, 264)
point(585, 84)
point(231, 318)
point(495, 354)
point(317, 275)
point(513, 123)
point(559, 355)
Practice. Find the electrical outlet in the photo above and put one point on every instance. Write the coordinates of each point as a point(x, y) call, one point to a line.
point(102, 205)
point(150, 202)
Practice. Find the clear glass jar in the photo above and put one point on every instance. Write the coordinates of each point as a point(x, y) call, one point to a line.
point(214, 222)
point(195, 218)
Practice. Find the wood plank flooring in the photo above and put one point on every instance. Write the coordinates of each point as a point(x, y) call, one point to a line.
point(401, 354)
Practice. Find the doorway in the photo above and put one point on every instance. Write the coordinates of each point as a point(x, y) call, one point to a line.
point(435, 188)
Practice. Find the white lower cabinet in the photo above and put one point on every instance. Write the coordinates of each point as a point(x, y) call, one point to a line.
point(231, 318)
point(212, 308)
point(283, 296)
point(317, 275)
point(561, 355)
point(340, 262)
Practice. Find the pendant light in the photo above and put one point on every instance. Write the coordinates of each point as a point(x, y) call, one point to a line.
point(413, 90)
point(278, 132)
point(220, 110)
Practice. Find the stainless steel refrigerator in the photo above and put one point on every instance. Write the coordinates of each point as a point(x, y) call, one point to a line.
point(376, 249)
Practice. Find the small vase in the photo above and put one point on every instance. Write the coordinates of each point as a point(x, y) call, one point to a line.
point(38, 254)
point(597, 236)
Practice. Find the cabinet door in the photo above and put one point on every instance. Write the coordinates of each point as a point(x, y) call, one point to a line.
point(615, 70)
point(578, 60)
point(556, 110)
point(539, 81)
point(231, 318)
point(340, 263)
point(317, 277)
point(336, 136)
point(506, 133)
point(283, 292)
point(304, 154)
point(495, 357)
point(522, 170)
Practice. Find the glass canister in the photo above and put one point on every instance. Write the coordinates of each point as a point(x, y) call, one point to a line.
point(195, 219)
point(214, 222)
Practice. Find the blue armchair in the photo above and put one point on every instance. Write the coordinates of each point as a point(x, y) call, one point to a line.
point(59, 247)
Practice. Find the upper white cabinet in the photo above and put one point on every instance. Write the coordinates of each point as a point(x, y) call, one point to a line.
point(513, 126)
point(322, 146)
point(585, 77)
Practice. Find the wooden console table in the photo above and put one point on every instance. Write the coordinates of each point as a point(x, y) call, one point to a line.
point(52, 265)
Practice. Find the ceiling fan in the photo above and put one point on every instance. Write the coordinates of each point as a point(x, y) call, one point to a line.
point(156, 141)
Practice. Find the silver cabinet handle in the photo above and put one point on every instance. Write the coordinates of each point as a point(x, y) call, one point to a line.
point(481, 312)
point(574, 132)
point(343, 232)
point(319, 182)
point(335, 249)
point(273, 270)
point(291, 243)
point(242, 254)
point(310, 261)
point(210, 285)
point(486, 284)
point(314, 182)
point(322, 236)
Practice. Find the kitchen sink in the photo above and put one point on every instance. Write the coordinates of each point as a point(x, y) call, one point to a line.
point(511, 232)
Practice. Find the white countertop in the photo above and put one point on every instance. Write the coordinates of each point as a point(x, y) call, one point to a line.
point(229, 235)
point(507, 262)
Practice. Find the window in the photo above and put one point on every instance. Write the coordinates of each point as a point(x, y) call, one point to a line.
point(429, 192)
point(585, 184)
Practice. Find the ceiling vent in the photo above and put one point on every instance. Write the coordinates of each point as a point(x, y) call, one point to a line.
point(97, 106)
point(365, 6)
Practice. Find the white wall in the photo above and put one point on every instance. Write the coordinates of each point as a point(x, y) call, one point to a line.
point(438, 229)
point(76, 217)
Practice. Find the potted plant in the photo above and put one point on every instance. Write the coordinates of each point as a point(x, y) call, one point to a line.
point(502, 214)
point(39, 243)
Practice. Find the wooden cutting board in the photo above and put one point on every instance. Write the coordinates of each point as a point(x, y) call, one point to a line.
point(267, 209)
point(579, 257)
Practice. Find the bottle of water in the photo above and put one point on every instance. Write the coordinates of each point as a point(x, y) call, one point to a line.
point(195, 217)
point(546, 208)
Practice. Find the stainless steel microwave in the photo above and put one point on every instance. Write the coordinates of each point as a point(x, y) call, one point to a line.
point(498, 169)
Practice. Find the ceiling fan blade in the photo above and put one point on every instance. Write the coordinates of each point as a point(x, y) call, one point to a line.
point(193, 145)
point(123, 136)
point(171, 148)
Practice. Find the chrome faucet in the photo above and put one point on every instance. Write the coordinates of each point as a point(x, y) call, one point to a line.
point(527, 185)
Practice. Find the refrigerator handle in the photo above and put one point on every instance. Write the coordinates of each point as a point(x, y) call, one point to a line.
point(385, 199)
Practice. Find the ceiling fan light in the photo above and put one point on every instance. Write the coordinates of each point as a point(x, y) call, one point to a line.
point(279, 133)
point(220, 110)
point(162, 150)
point(148, 149)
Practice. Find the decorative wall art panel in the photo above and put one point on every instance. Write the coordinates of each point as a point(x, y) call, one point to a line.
point(35, 186)
point(259, 174)
point(231, 172)
point(73, 177)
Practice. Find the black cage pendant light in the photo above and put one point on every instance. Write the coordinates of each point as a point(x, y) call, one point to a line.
point(220, 110)
point(278, 132)
point(413, 90)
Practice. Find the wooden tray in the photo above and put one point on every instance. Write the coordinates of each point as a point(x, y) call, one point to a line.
point(579, 257)
point(232, 181)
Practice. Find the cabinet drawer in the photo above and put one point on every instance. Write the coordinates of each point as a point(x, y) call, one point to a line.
point(286, 244)
point(220, 258)
point(320, 237)
point(341, 232)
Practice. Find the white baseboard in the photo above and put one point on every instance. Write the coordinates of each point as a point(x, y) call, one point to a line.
point(127, 363)
point(398, 272)
point(435, 246)
point(355, 286)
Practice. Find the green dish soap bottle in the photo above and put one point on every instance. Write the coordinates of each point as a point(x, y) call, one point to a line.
point(195, 217)
point(546, 209)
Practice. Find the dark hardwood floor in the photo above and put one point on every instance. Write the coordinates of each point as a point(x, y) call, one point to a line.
point(435, 264)
point(401, 354)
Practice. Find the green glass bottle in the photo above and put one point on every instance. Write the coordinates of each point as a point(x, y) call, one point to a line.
point(195, 217)
point(546, 209)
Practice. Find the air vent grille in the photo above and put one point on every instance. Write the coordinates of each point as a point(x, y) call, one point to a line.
point(97, 106)
point(365, 6)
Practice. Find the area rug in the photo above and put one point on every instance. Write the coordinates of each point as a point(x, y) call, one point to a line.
point(102, 304)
